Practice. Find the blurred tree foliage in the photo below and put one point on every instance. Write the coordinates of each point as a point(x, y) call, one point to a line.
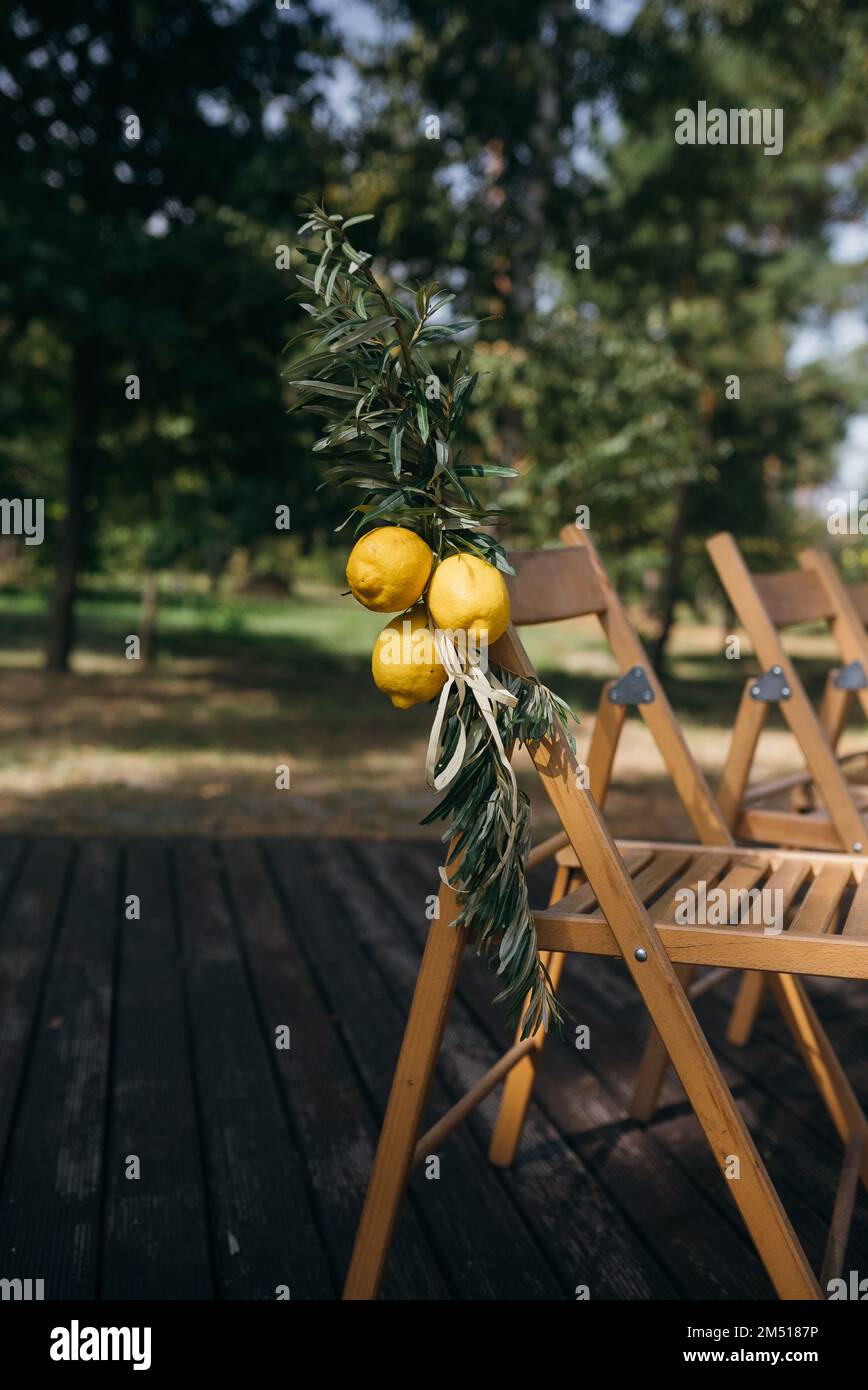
point(609, 381)
point(151, 154)
point(491, 142)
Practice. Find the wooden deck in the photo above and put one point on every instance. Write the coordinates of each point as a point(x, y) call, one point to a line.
point(155, 1038)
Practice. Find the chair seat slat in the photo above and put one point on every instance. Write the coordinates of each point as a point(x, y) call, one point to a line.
point(787, 879)
point(818, 912)
point(706, 868)
point(856, 924)
point(582, 899)
point(658, 872)
point(741, 878)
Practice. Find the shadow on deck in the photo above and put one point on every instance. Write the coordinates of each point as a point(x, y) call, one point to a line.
point(157, 1143)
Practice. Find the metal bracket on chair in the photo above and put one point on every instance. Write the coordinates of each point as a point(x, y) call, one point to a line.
point(771, 687)
point(851, 677)
point(633, 688)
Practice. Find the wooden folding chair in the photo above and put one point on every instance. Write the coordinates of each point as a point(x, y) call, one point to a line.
point(848, 683)
point(622, 905)
point(765, 603)
point(537, 596)
point(826, 810)
point(533, 601)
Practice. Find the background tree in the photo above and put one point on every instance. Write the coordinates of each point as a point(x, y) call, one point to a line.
point(606, 384)
point(139, 143)
point(614, 380)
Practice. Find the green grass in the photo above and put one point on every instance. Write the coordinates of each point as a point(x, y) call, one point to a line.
point(202, 626)
point(242, 684)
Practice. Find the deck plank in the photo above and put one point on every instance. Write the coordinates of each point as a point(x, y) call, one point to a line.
point(334, 1126)
point(156, 1037)
point(50, 1201)
point(555, 1195)
point(788, 1121)
point(26, 937)
point(780, 1105)
point(156, 1229)
point(641, 1181)
point(264, 1232)
point(486, 1256)
point(13, 851)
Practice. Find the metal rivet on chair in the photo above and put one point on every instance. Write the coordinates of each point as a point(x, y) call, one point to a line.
point(640, 953)
point(785, 692)
point(755, 690)
point(776, 670)
point(857, 848)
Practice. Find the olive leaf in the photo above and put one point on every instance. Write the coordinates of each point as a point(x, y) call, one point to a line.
point(364, 366)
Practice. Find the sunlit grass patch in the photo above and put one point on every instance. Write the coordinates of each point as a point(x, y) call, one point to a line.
point(190, 746)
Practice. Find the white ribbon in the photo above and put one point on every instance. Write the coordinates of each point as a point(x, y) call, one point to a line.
point(488, 692)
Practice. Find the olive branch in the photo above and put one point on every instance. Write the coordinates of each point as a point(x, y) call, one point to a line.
point(392, 422)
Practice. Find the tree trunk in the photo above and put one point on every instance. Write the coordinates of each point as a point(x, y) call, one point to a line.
point(670, 590)
point(82, 442)
point(148, 619)
point(215, 570)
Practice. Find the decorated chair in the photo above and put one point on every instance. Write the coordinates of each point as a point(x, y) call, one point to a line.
point(619, 899)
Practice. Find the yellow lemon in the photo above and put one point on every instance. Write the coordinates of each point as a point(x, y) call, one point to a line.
point(404, 662)
point(389, 568)
point(469, 595)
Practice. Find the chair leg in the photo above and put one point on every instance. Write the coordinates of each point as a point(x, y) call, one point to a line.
point(822, 1062)
point(746, 1007)
point(729, 1138)
point(654, 1064)
point(423, 1037)
point(519, 1084)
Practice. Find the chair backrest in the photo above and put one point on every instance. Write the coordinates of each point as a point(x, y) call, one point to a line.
point(750, 595)
point(793, 596)
point(552, 584)
point(569, 582)
point(846, 621)
point(814, 592)
point(859, 598)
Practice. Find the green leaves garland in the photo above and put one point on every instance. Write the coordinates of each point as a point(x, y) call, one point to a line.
point(391, 422)
point(491, 878)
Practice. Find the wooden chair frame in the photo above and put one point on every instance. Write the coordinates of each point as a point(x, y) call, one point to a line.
point(608, 916)
point(763, 604)
point(849, 605)
point(545, 589)
point(712, 820)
